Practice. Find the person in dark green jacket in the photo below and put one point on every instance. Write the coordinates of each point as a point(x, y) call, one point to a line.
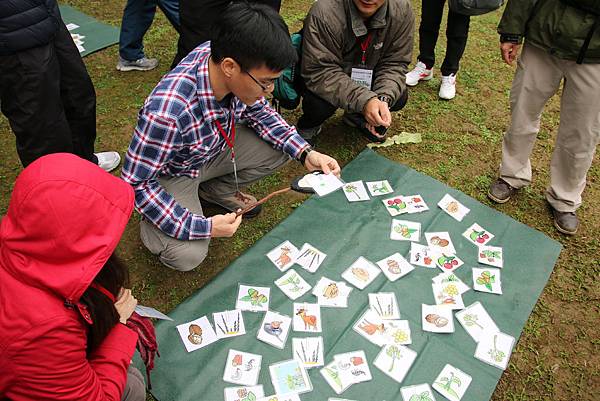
point(561, 45)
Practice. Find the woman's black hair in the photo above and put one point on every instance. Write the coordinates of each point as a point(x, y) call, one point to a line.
point(113, 276)
point(253, 35)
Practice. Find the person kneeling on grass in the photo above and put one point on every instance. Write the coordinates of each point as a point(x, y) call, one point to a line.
point(189, 132)
point(63, 306)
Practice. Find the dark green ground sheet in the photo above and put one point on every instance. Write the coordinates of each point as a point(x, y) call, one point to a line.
point(98, 35)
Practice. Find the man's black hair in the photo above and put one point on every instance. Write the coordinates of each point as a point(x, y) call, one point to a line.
point(253, 35)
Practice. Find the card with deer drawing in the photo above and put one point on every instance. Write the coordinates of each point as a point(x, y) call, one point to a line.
point(307, 317)
point(283, 256)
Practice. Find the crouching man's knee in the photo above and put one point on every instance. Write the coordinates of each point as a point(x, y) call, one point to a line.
point(184, 255)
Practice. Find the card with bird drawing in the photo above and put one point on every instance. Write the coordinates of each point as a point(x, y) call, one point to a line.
point(244, 393)
point(477, 235)
point(397, 332)
point(437, 319)
point(418, 392)
point(253, 298)
point(495, 349)
point(355, 191)
point(242, 368)
point(229, 323)
point(447, 294)
point(422, 255)
point(283, 256)
point(448, 263)
point(454, 208)
point(309, 351)
point(378, 188)
point(353, 367)
point(487, 280)
point(290, 377)
point(395, 266)
point(452, 383)
point(361, 273)
point(372, 327)
point(385, 305)
point(333, 294)
point(310, 258)
point(395, 361)
point(415, 204)
point(440, 242)
point(403, 230)
point(197, 334)
point(490, 255)
point(274, 329)
point(292, 284)
point(476, 321)
point(331, 374)
point(307, 317)
point(451, 278)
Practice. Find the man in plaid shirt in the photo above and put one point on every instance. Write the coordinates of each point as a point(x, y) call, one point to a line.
point(187, 136)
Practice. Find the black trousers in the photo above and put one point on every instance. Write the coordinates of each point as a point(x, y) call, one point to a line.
point(49, 99)
point(457, 32)
point(196, 18)
point(315, 110)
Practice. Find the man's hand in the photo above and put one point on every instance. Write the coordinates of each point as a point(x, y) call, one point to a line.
point(509, 51)
point(377, 113)
point(225, 225)
point(319, 161)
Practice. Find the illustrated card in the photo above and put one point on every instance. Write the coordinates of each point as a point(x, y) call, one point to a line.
point(324, 184)
point(331, 374)
point(353, 367)
point(418, 392)
point(403, 230)
point(361, 273)
point(372, 327)
point(197, 334)
point(309, 351)
point(451, 278)
point(422, 255)
point(415, 204)
point(274, 329)
point(477, 235)
point(395, 361)
point(385, 305)
point(289, 377)
point(487, 280)
point(281, 397)
point(147, 311)
point(437, 319)
point(245, 393)
point(229, 323)
point(292, 284)
point(397, 332)
point(490, 255)
point(476, 321)
point(453, 207)
point(307, 317)
point(395, 266)
point(333, 294)
point(395, 206)
point(378, 188)
point(452, 383)
point(310, 258)
point(448, 263)
point(242, 368)
point(283, 256)
point(440, 242)
point(447, 294)
point(355, 191)
point(495, 349)
point(253, 298)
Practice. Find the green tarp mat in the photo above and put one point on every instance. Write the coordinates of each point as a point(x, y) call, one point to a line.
point(96, 35)
point(345, 231)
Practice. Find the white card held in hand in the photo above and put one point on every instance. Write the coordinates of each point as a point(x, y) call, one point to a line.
point(292, 284)
point(422, 255)
point(333, 294)
point(331, 374)
point(437, 319)
point(487, 280)
point(495, 349)
point(395, 266)
point(372, 327)
point(197, 334)
point(244, 393)
point(477, 235)
point(253, 298)
point(309, 351)
point(283, 256)
point(377, 188)
point(447, 295)
point(490, 255)
point(310, 258)
point(307, 317)
point(395, 206)
point(415, 204)
point(353, 367)
point(451, 278)
point(229, 323)
point(395, 361)
point(418, 392)
point(453, 207)
point(355, 191)
point(440, 242)
point(403, 230)
point(452, 383)
point(324, 184)
point(242, 368)
point(476, 321)
point(361, 273)
point(274, 329)
point(385, 305)
point(448, 263)
point(290, 377)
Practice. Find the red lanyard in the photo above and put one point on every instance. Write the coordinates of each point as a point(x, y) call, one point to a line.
point(229, 140)
point(103, 290)
point(364, 45)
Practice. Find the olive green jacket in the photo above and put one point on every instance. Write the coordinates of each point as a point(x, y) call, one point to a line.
point(552, 26)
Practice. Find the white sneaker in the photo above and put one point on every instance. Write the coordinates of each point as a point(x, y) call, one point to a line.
point(108, 161)
point(448, 87)
point(419, 73)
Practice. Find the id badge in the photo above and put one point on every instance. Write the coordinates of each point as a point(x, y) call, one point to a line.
point(362, 76)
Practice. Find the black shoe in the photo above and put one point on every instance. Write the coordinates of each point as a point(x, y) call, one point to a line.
point(356, 120)
point(501, 191)
point(565, 222)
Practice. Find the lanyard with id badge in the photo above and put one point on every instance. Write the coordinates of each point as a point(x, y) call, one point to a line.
point(230, 141)
point(362, 75)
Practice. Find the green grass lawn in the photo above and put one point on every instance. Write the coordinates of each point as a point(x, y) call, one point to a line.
point(557, 357)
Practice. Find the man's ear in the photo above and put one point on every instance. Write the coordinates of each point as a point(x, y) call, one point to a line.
point(230, 67)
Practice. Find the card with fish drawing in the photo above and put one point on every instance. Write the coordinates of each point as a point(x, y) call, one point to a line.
point(476, 321)
point(495, 349)
point(289, 377)
point(487, 280)
point(274, 329)
point(418, 392)
point(242, 368)
point(378, 188)
point(333, 294)
point(490, 255)
point(283, 256)
point(440, 242)
point(403, 230)
point(229, 323)
point(437, 319)
point(372, 327)
point(355, 191)
point(452, 383)
point(395, 266)
point(454, 208)
point(353, 367)
point(385, 305)
point(309, 351)
point(307, 317)
point(361, 273)
point(292, 284)
point(422, 255)
point(477, 235)
point(331, 374)
point(244, 393)
point(253, 298)
point(447, 294)
point(310, 258)
point(395, 361)
point(197, 334)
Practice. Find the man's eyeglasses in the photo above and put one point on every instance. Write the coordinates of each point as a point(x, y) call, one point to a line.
point(262, 86)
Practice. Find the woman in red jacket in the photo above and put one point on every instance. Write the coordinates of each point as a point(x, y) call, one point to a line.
point(62, 299)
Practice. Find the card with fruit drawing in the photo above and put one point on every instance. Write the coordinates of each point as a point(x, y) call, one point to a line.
point(418, 392)
point(283, 256)
point(333, 294)
point(378, 188)
point(437, 319)
point(361, 273)
point(353, 367)
point(453, 207)
point(477, 235)
point(197, 334)
point(395, 205)
point(310, 258)
point(422, 255)
point(253, 298)
point(372, 327)
point(487, 280)
point(229, 323)
point(490, 255)
point(309, 351)
point(274, 329)
point(452, 383)
point(385, 305)
point(451, 278)
point(495, 349)
point(307, 317)
point(448, 263)
point(440, 242)
point(403, 230)
point(395, 266)
point(290, 377)
point(415, 204)
point(292, 284)
point(447, 295)
point(242, 368)
point(395, 361)
point(244, 393)
point(355, 191)
point(476, 321)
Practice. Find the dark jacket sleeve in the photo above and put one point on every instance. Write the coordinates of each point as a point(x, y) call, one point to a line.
point(515, 17)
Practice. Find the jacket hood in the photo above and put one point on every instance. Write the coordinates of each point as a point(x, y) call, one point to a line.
point(65, 218)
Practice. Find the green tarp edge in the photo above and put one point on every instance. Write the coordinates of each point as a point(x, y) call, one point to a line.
point(98, 35)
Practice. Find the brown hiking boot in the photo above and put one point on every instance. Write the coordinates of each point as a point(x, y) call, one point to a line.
point(565, 222)
point(233, 203)
point(501, 191)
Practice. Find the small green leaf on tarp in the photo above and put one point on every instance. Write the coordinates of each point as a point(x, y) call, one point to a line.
point(403, 137)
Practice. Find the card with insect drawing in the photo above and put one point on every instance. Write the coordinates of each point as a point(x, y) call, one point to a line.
point(355, 191)
point(253, 298)
point(477, 235)
point(331, 374)
point(385, 305)
point(415, 204)
point(310, 258)
point(440, 242)
point(447, 294)
point(283, 256)
point(361, 273)
point(307, 317)
point(290, 377)
point(274, 329)
point(229, 323)
point(397, 332)
point(309, 351)
point(422, 255)
point(495, 349)
point(403, 230)
point(378, 188)
point(372, 327)
point(448, 263)
point(454, 208)
point(244, 393)
point(353, 367)
point(452, 383)
point(242, 368)
point(395, 361)
point(333, 294)
point(476, 321)
point(292, 284)
point(490, 255)
point(451, 278)
point(418, 392)
point(437, 319)
point(324, 184)
point(281, 397)
point(395, 266)
point(395, 205)
point(487, 280)
point(197, 334)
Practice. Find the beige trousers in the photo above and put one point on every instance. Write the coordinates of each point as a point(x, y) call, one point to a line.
point(537, 78)
point(135, 389)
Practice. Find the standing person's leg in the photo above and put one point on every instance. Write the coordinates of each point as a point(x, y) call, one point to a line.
point(135, 389)
point(457, 32)
point(429, 30)
point(315, 111)
point(137, 18)
point(171, 10)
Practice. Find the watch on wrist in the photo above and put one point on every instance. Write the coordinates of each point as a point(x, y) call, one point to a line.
point(385, 98)
point(304, 154)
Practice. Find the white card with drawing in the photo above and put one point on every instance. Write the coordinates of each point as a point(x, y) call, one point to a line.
point(385, 305)
point(353, 367)
point(378, 188)
point(307, 317)
point(477, 235)
point(274, 329)
point(395, 266)
point(422, 255)
point(495, 349)
point(197, 334)
point(333, 294)
point(331, 374)
point(283, 256)
point(476, 321)
point(487, 280)
point(448, 263)
point(418, 392)
point(454, 208)
point(244, 393)
point(372, 327)
point(324, 184)
point(290, 377)
point(395, 361)
point(452, 383)
point(292, 284)
point(403, 230)
point(437, 319)
point(490, 255)
point(308, 351)
point(361, 273)
point(310, 258)
point(242, 368)
point(253, 298)
point(395, 205)
point(447, 294)
point(451, 278)
point(415, 204)
point(397, 332)
point(440, 242)
point(229, 324)
point(355, 191)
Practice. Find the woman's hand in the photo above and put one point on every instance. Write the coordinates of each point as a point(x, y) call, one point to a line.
point(125, 304)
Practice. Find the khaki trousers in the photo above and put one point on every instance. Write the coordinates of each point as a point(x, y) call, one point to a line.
point(255, 159)
point(537, 78)
point(135, 389)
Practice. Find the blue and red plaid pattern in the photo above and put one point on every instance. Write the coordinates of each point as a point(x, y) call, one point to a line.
point(176, 134)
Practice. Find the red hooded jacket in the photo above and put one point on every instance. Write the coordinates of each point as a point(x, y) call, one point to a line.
point(64, 220)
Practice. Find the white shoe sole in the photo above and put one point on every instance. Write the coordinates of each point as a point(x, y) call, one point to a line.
point(134, 68)
point(421, 79)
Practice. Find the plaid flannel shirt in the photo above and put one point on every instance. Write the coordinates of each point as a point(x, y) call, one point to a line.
point(176, 134)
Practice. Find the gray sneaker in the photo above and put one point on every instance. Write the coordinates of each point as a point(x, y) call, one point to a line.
point(143, 64)
point(309, 133)
point(501, 191)
point(565, 222)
